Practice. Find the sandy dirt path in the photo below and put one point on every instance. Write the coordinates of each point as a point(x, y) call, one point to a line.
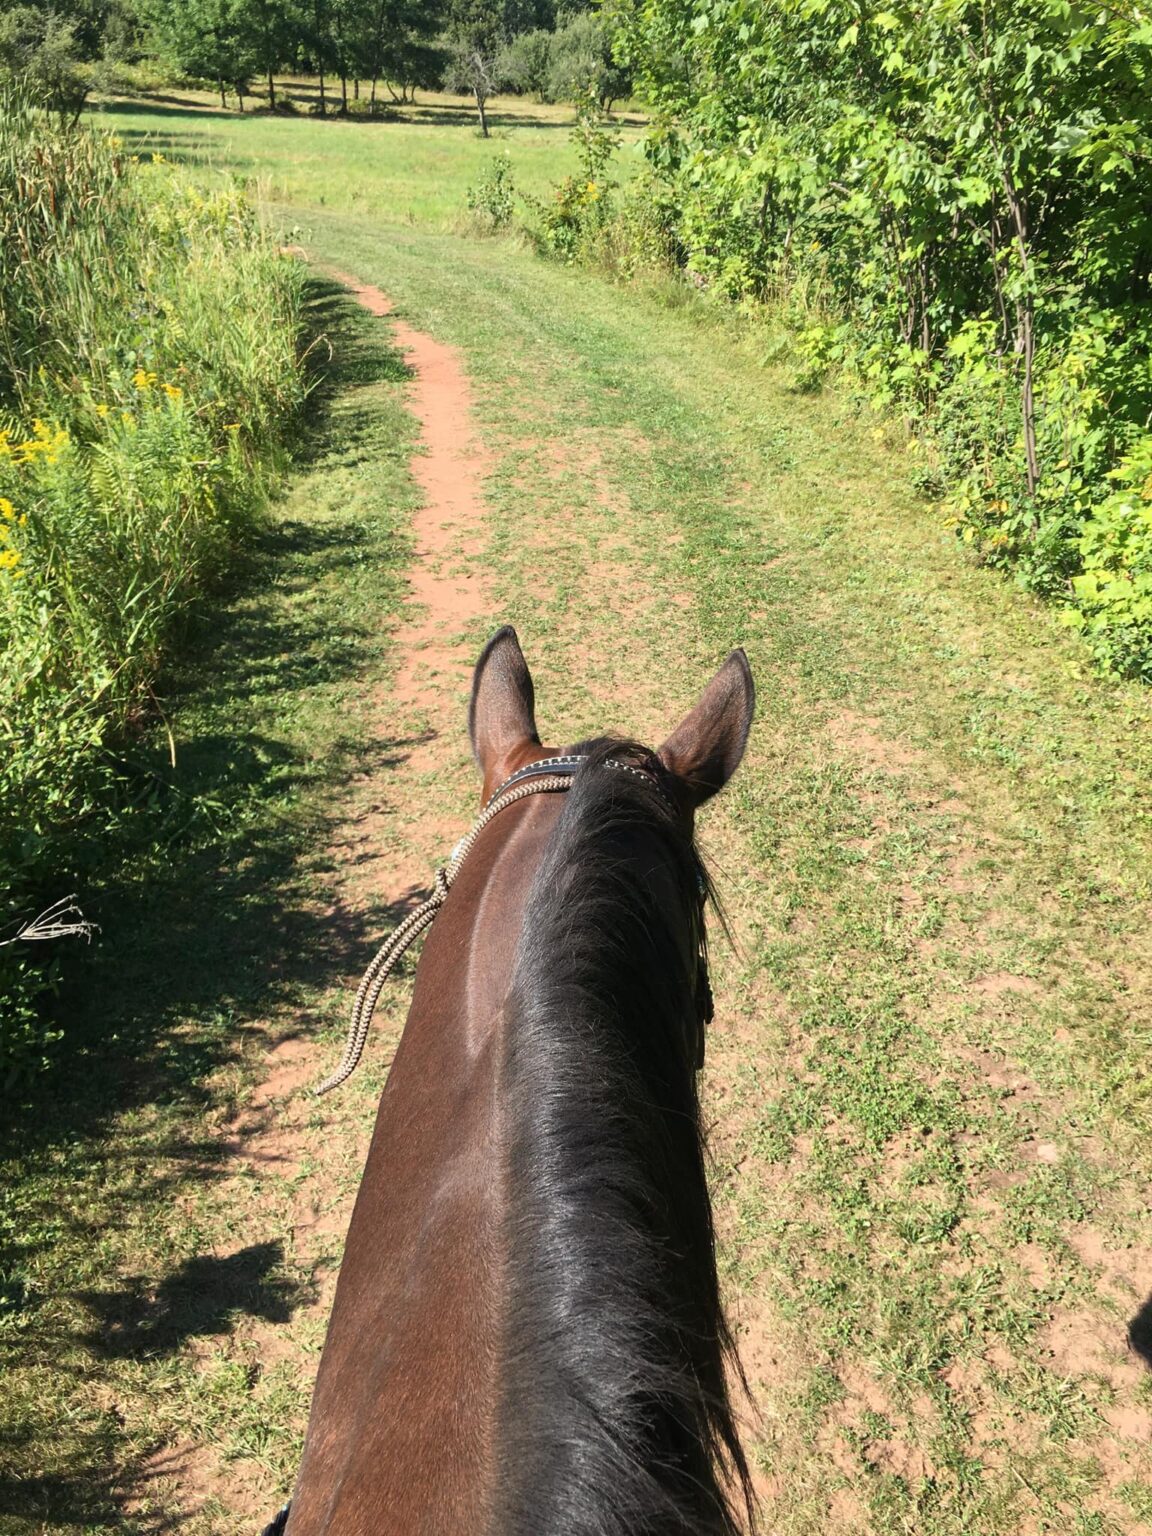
point(400, 819)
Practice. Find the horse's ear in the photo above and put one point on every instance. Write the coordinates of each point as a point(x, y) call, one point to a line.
point(501, 716)
point(705, 749)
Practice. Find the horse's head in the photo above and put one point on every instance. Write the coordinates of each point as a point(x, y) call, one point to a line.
point(638, 832)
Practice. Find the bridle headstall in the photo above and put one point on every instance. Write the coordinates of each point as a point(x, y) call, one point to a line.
point(547, 775)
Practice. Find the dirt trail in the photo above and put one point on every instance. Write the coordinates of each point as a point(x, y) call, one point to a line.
point(423, 702)
point(399, 821)
point(449, 590)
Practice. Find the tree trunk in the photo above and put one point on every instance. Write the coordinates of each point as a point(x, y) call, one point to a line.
point(323, 99)
point(1027, 397)
point(240, 96)
point(373, 100)
point(271, 90)
point(220, 87)
point(343, 95)
point(1025, 311)
point(356, 89)
point(480, 99)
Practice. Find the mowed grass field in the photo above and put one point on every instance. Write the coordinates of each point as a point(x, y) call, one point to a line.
point(927, 1082)
point(413, 167)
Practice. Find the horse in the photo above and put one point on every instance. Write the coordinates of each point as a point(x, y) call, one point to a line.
point(527, 1337)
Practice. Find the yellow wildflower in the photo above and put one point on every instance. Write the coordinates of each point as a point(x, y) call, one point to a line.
point(101, 410)
point(143, 380)
point(173, 391)
point(231, 426)
point(157, 158)
point(7, 510)
point(9, 559)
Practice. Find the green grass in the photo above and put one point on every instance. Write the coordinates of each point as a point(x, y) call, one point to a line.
point(936, 859)
point(928, 1075)
point(412, 170)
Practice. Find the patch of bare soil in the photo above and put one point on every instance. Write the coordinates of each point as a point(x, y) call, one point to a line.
point(861, 736)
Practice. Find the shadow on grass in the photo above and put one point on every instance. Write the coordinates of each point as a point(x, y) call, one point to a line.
point(213, 920)
point(168, 106)
point(1140, 1333)
point(201, 1297)
point(387, 114)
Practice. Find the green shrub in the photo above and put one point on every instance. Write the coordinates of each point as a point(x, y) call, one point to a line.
point(1113, 592)
point(570, 223)
point(493, 199)
point(963, 188)
point(148, 371)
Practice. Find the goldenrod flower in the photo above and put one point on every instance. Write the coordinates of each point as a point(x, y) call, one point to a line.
point(7, 510)
point(101, 410)
point(143, 380)
point(173, 391)
point(9, 559)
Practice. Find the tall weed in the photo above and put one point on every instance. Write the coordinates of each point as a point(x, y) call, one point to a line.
point(148, 372)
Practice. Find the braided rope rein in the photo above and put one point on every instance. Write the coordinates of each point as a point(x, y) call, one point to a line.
point(387, 956)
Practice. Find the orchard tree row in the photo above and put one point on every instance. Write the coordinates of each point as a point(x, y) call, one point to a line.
point(358, 49)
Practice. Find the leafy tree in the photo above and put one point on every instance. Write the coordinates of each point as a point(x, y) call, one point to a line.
point(401, 44)
point(214, 39)
point(45, 48)
point(272, 28)
point(59, 46)
point(526, 63)
point(581, 61)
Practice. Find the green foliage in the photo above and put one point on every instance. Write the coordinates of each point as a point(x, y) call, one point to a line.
point(581, 207)
point(147, 370)
point(581, 63)
point(493, 199)
point(44, 47)
point(963, 182)
point(526, 64)
point(1114, 589)
point(567, 63)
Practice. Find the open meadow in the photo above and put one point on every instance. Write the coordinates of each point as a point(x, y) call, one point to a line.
point(413, 167)
point(927, 1081)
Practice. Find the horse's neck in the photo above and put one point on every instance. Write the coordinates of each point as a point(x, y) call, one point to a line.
point(401, 1438)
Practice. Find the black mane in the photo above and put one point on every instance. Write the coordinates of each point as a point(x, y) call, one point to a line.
point(615, 1418)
